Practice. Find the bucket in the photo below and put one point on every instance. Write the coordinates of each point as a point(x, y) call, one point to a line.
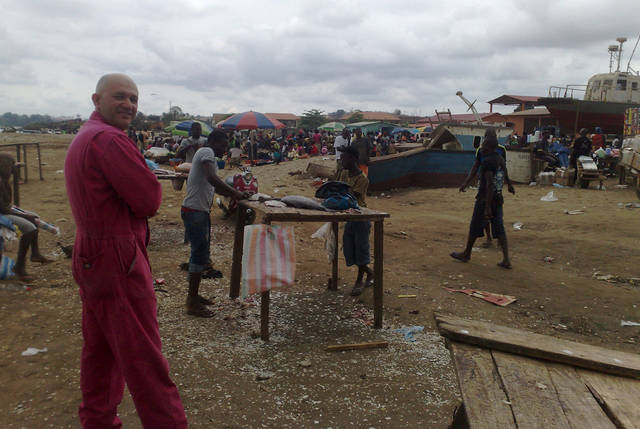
point(177, 183)
point(221, 164)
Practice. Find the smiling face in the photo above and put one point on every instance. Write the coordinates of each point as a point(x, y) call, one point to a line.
point(116, 99)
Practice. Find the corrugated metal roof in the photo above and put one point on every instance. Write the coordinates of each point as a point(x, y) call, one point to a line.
point(282, 116)
point(373, 116)
point(538, 111)
point(514, 99)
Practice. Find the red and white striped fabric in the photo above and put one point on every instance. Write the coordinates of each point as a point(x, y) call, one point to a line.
point(268, 258)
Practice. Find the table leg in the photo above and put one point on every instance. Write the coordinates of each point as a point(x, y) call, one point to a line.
point(26, 172)
point(378, 238)
point(16, 185)
point(333, 282)
point(264, 315)
point(39, 161)
point(236, 263)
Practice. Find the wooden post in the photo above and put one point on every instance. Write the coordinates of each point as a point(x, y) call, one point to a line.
point(264, 315)
point(333, 282)
point(18, 158)
point(16, 185)
point(26, 173)
point(236, 262)
point(39, 161)
point(378, 250)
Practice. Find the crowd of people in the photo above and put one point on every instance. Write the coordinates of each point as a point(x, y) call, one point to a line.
point(260, 147)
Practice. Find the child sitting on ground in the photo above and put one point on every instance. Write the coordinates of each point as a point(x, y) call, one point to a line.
point(355, 240)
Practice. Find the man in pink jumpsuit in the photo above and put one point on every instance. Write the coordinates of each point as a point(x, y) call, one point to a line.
point(112, 193)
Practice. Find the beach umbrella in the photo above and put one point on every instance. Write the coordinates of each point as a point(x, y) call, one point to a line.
point(250, 121)
point(332, 126)
point(183, 128)
point(401, 130)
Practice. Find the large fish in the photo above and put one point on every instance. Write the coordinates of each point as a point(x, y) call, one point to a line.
point(301, 202)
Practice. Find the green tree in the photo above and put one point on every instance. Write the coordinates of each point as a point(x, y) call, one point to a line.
point(312, 119)
point(355, 117)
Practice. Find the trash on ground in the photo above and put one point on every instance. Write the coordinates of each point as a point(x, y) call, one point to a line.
point(557, 185)
point(518, 226)
point(408, 332)
point(548, 259)
point(610, 278)
point(628, 323)
point(550, 197)
point(358, 346)
point(407, 296)
point(574, 212)
point(532, 184)
point(493, 298)
point(31, 351)
point(621, 186)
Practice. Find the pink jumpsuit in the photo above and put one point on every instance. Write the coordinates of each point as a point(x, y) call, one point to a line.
point(112, 193)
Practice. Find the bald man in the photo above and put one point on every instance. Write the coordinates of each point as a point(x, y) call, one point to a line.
point(112, 193)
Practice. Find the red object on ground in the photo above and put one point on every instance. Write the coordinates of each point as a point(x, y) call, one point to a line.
point(112, 193)
point(493, 298)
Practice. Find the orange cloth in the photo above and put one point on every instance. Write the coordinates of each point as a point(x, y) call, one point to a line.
point(364, 168)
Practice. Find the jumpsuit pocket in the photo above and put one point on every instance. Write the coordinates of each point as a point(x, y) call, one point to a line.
point(94, 275)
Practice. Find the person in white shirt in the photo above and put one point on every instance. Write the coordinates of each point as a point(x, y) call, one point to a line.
point(190, 145)
point(340, 141)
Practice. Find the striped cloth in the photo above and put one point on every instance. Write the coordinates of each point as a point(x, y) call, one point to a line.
point(268, 258)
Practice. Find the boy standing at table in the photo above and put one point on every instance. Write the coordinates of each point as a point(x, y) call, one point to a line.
point(355, 240)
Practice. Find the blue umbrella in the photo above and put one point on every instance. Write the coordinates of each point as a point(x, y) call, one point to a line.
point(184, 127)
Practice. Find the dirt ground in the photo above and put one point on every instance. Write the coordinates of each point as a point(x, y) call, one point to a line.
point(216, 362)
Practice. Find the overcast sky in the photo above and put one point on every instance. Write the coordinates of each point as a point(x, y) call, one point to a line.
point(211, 56)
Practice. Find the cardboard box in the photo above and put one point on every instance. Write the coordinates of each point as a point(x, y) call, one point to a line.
point(564, 176)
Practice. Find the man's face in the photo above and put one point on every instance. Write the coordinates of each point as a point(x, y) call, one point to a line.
point(117, 102)
point(196, 130)
point(220, 146)
point(358, 133)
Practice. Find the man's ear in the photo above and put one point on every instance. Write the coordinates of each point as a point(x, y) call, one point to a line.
point(96, 99)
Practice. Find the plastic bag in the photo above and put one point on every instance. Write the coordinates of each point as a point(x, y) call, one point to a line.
point(326, 232)
point(268, 258)
point(6, 267)
point(550, 197)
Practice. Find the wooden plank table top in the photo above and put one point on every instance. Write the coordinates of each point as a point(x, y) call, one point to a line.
point(510, 390)
point(292, 214)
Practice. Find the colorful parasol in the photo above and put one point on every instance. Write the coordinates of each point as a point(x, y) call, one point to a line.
point(250, 121)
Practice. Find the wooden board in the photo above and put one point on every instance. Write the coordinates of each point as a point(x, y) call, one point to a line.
point(577, 402)
point(358, 346)
point(533, 398)
point(539, 346)
point(620, 397)
point(485, 402)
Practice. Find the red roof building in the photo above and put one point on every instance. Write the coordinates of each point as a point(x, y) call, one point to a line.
point(523, 101)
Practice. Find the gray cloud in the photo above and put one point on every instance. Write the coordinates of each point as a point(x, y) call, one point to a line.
point(291, 56)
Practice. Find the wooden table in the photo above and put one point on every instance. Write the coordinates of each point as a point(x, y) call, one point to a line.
point(512, 379)
point(24, 155)
point(290, 214)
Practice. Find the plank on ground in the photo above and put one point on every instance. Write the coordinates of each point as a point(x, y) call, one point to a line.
point(579, 405)
point(533, 399)
point(618, 396)
point(539, 346)
point(485, 402)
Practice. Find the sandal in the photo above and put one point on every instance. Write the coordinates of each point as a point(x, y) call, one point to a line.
point(459, 256)
point(204, 301)
point(357, 289)
point(200, 312)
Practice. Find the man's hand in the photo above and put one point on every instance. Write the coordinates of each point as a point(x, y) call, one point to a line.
point(242, 195)
point(511, 188)
point(463, 187)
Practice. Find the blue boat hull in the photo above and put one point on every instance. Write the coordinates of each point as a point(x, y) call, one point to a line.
point(429, 168)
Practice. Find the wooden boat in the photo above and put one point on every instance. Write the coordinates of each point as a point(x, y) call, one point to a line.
point(443, 162)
